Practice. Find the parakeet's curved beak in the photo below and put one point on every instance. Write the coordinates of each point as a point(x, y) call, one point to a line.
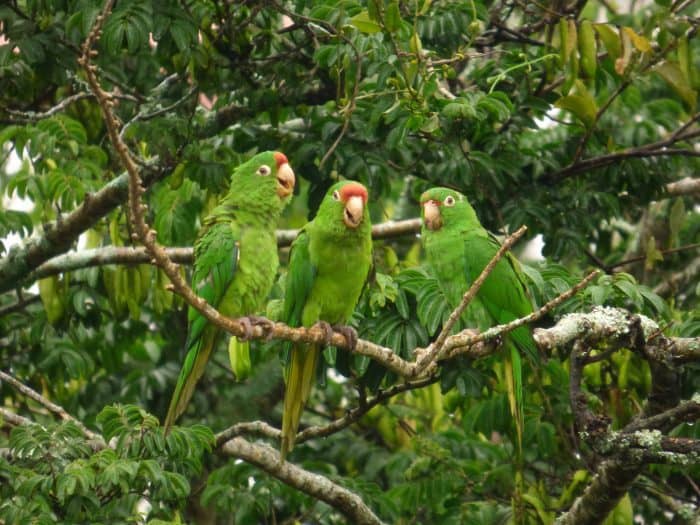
point(285, 180)
point(354, 210)
point(431, 215)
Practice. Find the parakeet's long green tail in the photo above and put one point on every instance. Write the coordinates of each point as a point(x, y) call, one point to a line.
point(192, 370)
point(300, 378)
point(520, 338)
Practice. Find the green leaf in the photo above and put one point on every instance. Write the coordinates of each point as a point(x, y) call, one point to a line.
point(392, 18)
point(364, 23)
point(671, 72)
point(581, 104)
point(611, 40)
point(622, 514)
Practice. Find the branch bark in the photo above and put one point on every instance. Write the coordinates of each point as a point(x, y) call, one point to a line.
point(51, 407)
point(268, 459)
point(183, 255)
point(686, 186)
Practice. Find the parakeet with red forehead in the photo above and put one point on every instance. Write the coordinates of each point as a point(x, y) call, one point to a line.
point(328, 267)
point(458, 248)
point(235, 262)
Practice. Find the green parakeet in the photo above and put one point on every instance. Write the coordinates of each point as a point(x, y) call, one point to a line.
point(235, 262)
point(458, 248)
point(328, 267)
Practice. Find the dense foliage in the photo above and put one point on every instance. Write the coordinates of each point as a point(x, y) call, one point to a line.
point(571, 119)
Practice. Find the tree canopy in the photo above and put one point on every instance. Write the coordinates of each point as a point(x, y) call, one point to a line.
point(576, 119)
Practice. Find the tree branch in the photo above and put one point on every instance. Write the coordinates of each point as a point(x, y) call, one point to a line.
point(433, 354)
point(686, 412)
point(58, 236)
point(675, 281)
point(686, 186)
point(51, 407)
point(138, 255)
point(13, 419)
point(268, 459)
point(653, 149)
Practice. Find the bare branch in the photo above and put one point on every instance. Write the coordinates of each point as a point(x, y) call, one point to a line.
point(356, 413)
point(462, 339)
point(315, 485)
point(653, 149)
point(138, 255)
point(675, 281)
point(686, 186)
point(27, 117)
point(51, 407)
point(686, 412)
point(256, 428)
point(19, 305)
point(7, 416)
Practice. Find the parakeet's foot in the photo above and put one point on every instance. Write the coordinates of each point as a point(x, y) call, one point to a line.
point(250, 321)
point(327, 331)
point(350, 334)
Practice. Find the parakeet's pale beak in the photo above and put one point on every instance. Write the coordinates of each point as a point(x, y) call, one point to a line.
point(354, 208)
point(285, 180)
point(431, 215)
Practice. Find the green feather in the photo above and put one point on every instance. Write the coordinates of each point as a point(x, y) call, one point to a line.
point(328, 266)
point(235, 264)
point(458, 250)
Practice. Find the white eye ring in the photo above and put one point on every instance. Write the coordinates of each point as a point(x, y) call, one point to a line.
point(264, 170)
point(336, 195)
point(449, 201)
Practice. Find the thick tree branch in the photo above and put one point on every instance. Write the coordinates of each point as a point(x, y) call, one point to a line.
point(138, 255)
point(58, 236)
point(671, 284)
point(614, 476)
point(686, 412)
point(7, 416)
point(268, 459)
point(686, 186)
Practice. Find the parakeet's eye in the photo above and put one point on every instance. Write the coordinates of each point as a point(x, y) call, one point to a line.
point(336, 195)
point(449, 200)
point(264, 170)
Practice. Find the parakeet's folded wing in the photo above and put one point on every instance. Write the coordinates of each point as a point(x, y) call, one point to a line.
point(504, 294)
point(216, 260)
point(302, 358)
point(299, 280)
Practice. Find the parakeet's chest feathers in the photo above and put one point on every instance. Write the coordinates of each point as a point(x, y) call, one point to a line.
point(342, 258)
point(444, 249)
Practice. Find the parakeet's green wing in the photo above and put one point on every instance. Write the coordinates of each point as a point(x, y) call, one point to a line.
point(299, 280)
point(504, 294)
point(302, 358)
point(216, 258)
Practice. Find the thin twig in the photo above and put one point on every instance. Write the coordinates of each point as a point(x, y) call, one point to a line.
point(356, 413)
point(433, 354)
point(51, 407)
point(460, 340)
point(663, 252)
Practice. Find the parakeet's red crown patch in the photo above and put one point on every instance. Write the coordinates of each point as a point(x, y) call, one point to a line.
point(280, 158)
point(353, 190)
